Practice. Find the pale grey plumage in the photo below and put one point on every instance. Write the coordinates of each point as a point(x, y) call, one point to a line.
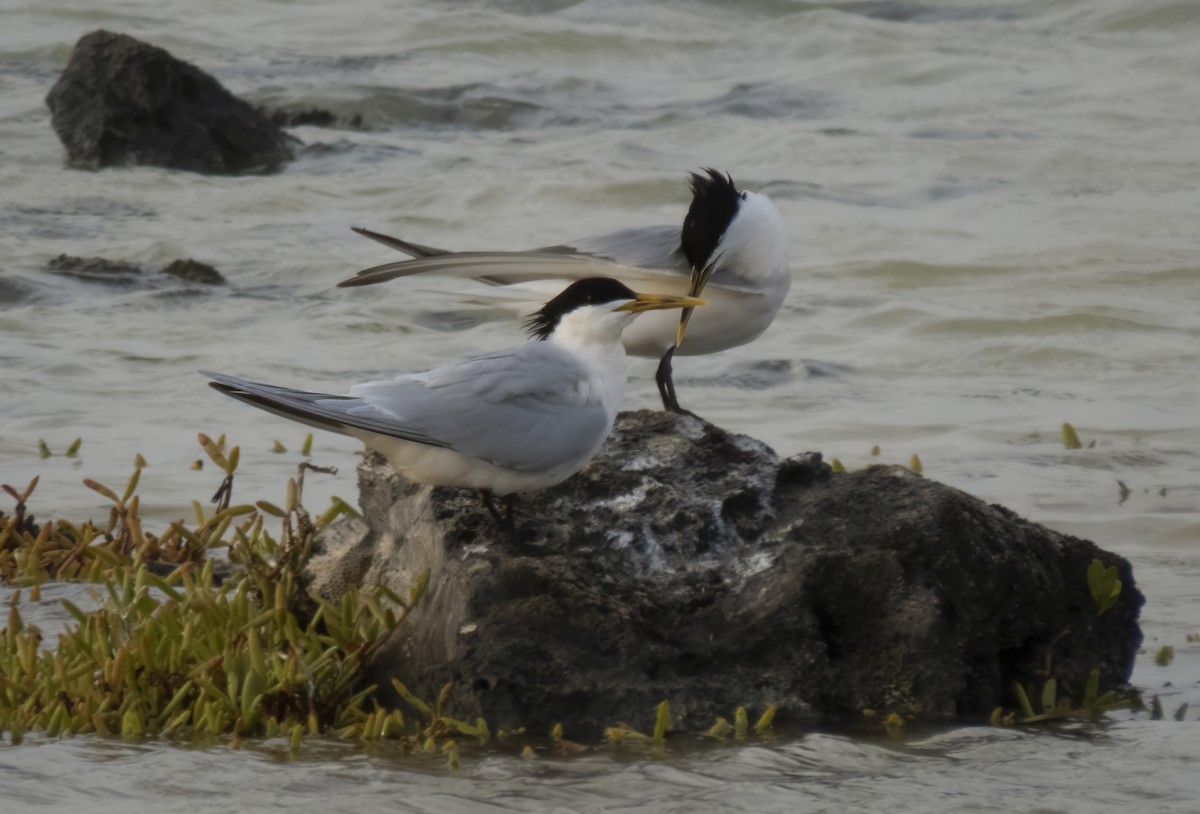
point(526, 417)
point(732, 246)
point(640, 256)
point(536, 397)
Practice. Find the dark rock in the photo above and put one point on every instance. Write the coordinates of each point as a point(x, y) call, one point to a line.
point(193, 271)
point(114, 272)
point(298, 118)
point(95, 269)
point(690, 564)
point(315, 117)
point(121, 101)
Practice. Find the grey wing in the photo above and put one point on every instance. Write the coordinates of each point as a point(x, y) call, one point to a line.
point(323, 410)
point(495, 268)
point(651, 247)
point(529, 408)
point(647, 256)
point(655, 248)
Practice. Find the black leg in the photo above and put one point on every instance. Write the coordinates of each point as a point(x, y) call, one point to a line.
point(486, 496)
point(666, 387)
point(505, 523)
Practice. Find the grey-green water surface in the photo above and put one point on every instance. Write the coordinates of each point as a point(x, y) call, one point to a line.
point(993, 212)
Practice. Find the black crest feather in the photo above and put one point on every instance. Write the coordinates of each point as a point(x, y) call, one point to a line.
point(589, 291)
point(715, 201)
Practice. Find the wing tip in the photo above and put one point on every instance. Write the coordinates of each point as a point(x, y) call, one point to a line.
point(217, 378)
point(222, 383)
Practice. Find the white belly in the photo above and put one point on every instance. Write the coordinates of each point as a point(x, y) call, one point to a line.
point(439, 466)
point(728, 320)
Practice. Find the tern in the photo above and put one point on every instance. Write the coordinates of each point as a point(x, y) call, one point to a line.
point(733, 245)
point(527, 417)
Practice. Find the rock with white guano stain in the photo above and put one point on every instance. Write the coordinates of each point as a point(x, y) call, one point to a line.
point(692, 564)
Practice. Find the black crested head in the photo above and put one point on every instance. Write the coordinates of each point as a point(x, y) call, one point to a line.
point(589, 291)
point(715, 201)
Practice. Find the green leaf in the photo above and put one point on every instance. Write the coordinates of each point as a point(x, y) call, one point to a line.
point(101, 489)
point(213, 450)
point(765, 721)
point(1049, 695)
point(270, 508)
point(720, 729)
point(1104, 585)
point(414, 702)
point(74, 610)
point(130, 487)
point(1023, 700)
point(662, 720)
point(471, 731)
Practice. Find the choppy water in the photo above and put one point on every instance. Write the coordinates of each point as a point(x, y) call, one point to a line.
point(993, 211)
point(977, 770)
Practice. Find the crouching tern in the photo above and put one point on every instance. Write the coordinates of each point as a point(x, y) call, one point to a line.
point(507, 421)
point(733, 246)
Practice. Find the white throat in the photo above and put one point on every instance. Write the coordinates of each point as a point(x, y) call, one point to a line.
point(593, 332)
point(755, 245)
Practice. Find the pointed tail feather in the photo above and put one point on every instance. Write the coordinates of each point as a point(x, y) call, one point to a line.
point(409, 248)
point(322, 410)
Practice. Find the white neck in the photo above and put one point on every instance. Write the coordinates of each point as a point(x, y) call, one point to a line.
point(594, 333)
point(755, 246)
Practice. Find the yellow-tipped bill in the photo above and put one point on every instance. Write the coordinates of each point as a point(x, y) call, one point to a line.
point(655, 302)
point(698, 280)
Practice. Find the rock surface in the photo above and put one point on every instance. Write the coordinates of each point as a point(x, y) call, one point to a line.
point(95, 270)
point(193, 271)
point(314, 117)
point(691, 564)
point(120, 273)
point(121, 101)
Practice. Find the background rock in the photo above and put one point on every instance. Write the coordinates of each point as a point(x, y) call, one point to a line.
point(193, 271)
point(691, 564)
point(95, 269)
point(314, 117)
point(121, 101)
point(121, 273)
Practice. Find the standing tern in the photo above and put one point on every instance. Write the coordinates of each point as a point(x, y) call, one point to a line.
point(511, 420)
point(733, 245)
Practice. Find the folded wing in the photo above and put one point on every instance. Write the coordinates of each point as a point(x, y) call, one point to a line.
point(323, 410)
point(530, 408)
